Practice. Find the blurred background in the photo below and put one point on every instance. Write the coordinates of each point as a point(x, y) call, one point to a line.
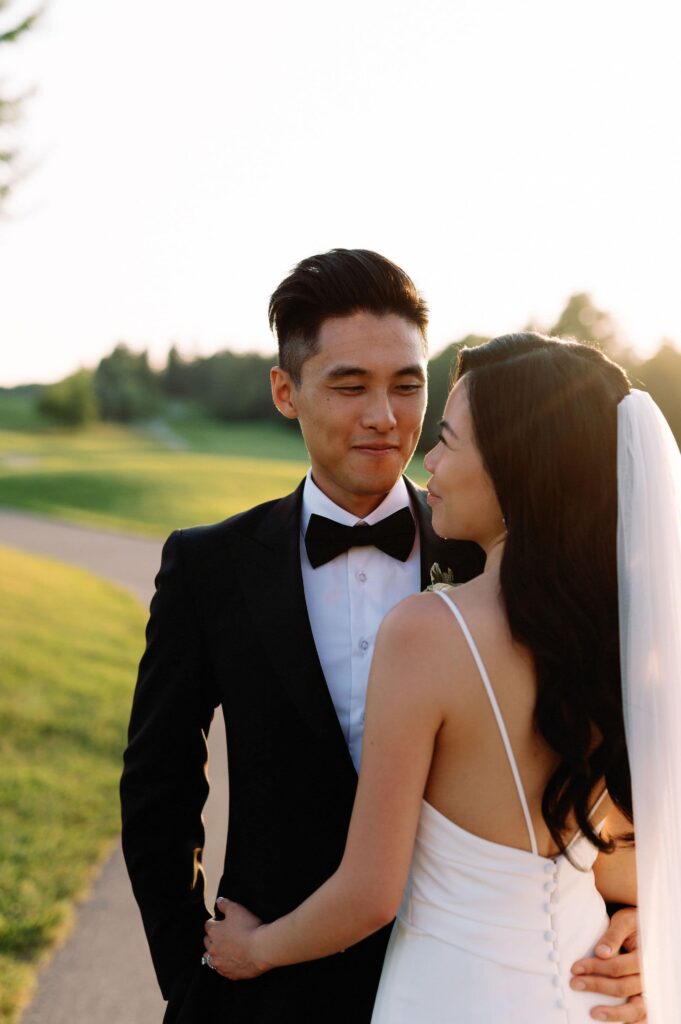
point(162, 168)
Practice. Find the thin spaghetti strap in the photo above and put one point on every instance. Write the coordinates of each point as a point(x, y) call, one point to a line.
point(598, 803)
point(497, 714)
point(594, 808)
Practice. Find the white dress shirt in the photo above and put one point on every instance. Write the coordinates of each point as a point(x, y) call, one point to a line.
point(347, 598)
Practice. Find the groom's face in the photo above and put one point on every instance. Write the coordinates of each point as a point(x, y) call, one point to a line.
point(360, 403)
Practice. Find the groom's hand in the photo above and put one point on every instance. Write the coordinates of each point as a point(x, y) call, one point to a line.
point(613, 972)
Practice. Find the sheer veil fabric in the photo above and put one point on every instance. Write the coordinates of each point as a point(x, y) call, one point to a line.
point(649, 577)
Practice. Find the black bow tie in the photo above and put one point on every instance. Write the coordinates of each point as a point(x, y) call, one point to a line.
point(325, 539)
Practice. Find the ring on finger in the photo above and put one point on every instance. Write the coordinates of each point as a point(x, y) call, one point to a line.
point(207, 960)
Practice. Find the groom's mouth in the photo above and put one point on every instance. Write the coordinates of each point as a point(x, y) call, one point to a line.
point(432, 497)
point(376, 450)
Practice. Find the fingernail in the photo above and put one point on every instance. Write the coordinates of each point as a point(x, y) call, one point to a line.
point(604, 951)
point(578, 969)
point(220, 899)
point(579, 985)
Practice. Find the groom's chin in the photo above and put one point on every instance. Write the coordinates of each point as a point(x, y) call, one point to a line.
point(378, 479)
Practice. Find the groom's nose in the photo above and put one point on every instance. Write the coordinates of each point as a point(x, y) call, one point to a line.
point(378, 413)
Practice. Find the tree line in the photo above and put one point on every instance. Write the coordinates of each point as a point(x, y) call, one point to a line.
point(230, 386)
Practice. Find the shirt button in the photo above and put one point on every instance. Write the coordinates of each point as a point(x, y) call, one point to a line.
point(555, 980)
point(364, 645)
point(560, 1004)
point(553, 955)
point(549, 886)
point(362, 577)
point(549, 868)
point(549, 936)
point(547, 908)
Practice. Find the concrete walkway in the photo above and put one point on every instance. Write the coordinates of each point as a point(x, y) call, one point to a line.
point(102, 973)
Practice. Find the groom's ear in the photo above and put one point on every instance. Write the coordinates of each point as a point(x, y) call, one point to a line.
point(283, 392)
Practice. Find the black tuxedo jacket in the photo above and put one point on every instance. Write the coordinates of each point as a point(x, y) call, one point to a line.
point(229, 626)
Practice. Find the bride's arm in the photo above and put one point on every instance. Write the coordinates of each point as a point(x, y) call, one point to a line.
point(402, 719)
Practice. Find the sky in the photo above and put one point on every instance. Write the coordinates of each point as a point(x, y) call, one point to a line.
point(180, 158)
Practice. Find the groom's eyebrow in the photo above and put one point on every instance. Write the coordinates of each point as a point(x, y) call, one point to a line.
point(412, 371)
point(347, 370)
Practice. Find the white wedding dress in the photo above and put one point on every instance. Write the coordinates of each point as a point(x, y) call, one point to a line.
point(488, 932)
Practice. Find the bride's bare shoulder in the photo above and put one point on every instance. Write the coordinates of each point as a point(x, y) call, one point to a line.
point(480, 602)
point(424, 622)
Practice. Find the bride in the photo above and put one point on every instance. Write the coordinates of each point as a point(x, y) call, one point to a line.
point(494, 809)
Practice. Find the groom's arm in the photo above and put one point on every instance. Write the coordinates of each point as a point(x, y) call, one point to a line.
point(615, 968)
point(164, 784)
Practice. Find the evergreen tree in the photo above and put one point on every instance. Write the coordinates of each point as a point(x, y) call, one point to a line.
point(582, 320)
point(71, 402)
point(10, 32)
point(126, 386)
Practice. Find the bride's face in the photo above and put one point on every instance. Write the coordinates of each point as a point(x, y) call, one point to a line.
point(460, 493)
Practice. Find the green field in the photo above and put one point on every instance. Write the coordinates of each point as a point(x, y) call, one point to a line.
point(148, 480)
point(69, 646)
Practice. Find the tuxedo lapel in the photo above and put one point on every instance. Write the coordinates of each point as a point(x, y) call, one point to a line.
point(272, 584)
point(433, 548)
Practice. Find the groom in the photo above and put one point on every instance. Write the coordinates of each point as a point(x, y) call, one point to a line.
point(272, 615)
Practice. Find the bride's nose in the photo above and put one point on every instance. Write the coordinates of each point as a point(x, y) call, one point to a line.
point(430, 460)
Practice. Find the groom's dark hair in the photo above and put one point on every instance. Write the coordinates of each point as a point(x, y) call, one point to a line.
point(335, 284)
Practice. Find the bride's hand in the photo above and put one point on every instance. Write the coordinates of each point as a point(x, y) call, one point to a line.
point(229, 943)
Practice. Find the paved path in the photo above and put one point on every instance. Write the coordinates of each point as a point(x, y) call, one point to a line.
point(102, 973)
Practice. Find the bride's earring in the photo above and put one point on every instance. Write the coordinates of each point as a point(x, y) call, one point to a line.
point(503, 519)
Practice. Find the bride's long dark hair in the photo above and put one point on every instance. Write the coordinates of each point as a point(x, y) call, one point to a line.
point(545, 418)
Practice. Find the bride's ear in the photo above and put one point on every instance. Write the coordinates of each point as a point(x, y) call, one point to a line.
point(283, 392)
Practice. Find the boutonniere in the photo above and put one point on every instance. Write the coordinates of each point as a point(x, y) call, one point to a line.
point(440, 578)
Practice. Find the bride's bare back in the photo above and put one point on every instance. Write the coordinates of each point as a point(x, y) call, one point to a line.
point(470, 779)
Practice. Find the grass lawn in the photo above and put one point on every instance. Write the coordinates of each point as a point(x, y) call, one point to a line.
point(145, 481)
point(249, 439)
point(148, 481)
point(69, 646)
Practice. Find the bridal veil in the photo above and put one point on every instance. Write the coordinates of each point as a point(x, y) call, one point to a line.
point(649, 576)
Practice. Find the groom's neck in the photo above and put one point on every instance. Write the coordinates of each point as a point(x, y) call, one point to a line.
point(359, 505)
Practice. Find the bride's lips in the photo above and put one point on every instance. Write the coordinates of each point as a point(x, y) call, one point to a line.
point(432, 497)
